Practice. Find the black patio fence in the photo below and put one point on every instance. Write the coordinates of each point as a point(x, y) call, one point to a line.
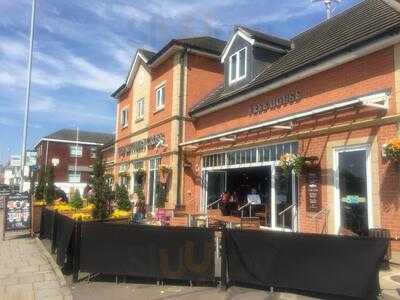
point(47, 224)
point(308, 263)
point(148, 251)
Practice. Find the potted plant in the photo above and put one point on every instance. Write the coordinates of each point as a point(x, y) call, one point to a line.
point(165, 171)
point(291, 162)
point(392, 150)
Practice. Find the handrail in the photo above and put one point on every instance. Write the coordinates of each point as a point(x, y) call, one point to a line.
point(319, 213)
point(243, 206)
point(286, 209)
point(210, 205)
point(315, 216)
point(282, 213)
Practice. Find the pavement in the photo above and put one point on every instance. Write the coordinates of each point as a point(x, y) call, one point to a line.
point(27, 271)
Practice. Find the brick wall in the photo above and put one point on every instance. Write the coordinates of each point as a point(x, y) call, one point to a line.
point(61, 151)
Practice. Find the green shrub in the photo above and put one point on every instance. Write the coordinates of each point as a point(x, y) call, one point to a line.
point(76, 201)
point(121, 193)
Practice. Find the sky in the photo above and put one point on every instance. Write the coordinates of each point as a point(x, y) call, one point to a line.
point(83, 50)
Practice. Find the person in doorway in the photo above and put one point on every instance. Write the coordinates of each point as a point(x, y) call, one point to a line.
point(225, 203)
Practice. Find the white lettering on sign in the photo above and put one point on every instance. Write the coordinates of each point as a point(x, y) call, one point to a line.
point(275, 102)
point(140, 145)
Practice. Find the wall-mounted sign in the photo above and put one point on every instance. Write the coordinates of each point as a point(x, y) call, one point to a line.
point(313, 177)
point(141, 145)
point(17, 212)
point(276, 102)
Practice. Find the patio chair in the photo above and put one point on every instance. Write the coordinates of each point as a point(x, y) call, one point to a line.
point(385, 234)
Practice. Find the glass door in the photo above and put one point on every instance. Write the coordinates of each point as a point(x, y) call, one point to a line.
point(285, 199)
point(352, 190)
point(154, 180)
point(215, 185)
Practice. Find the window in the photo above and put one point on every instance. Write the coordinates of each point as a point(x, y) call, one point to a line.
point(160, 98)
point(93, 152)
point(140, 109)
point(74, 177)
point(75, 151)
point(238, 65)
point(124, 117)
point(154, 180)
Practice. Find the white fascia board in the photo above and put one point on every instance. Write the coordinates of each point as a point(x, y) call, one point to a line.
point(165, 55)
point(134, 68)
point(359, 100)
point(68, 142)
point(393, 3)
point(229, 45)
point(329, 64)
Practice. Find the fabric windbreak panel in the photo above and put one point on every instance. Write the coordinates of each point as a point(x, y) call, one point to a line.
point(148, 251)
point(46, 224)
point(331, 265)
point(65, 229)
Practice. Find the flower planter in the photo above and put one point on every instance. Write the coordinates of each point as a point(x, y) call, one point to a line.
point(36, 217)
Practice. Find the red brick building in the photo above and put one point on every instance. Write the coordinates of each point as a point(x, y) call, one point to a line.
point(72, 154)
point(329, 95)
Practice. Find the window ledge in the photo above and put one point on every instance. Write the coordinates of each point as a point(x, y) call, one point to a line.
point(159, 109)
point(139, 120)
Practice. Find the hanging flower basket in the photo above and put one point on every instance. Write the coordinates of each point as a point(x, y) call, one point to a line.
point(392, 150)
point(140, 175)
point(124, 174)
point(291, 162)
point(165, 172)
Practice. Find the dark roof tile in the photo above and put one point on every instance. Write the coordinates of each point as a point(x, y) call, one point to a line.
point(84, 136)
point(358, 24)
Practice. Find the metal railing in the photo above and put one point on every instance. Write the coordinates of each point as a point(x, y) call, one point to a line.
point(316, 217)
point(283, 213)
point(215, 202)
point(241, 209)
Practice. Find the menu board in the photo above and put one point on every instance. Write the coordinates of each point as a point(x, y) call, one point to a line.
point(313, 190)
point(17, 212)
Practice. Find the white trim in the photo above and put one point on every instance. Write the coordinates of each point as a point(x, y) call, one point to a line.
point(124, 122)
point(377, 97)
point(337, 209)
point(158, 90)
point(229, 45)
point(237, 67)
point(132, 71)
point(320, 67)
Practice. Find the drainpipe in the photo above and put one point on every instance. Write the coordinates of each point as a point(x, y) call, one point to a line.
point(180, 120)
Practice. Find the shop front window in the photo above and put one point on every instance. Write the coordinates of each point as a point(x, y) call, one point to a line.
point(154, 179)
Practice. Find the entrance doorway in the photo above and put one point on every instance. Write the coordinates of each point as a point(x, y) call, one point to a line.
point(277, 193)
point(353, 190)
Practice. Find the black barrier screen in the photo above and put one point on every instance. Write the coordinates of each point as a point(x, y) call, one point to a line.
point(147, 251)
point(46, 224)
point(65, 228)
point(332, 265)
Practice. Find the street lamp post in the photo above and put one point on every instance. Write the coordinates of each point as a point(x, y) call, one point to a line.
point(27, 99)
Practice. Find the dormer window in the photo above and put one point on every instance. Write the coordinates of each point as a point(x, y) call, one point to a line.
point(238, 65)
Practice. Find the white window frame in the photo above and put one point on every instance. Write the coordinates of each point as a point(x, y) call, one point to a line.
point(337, 212)
point(237, 78)
point(75, 153)
point(124, 117)
point(93, 152)
point(73, 174)
point(140, 109)
point(160, 102)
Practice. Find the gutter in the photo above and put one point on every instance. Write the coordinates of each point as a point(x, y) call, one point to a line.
point(329, 64)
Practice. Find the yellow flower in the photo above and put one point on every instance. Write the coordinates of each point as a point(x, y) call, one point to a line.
point(81, 216)
point(120, 214)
